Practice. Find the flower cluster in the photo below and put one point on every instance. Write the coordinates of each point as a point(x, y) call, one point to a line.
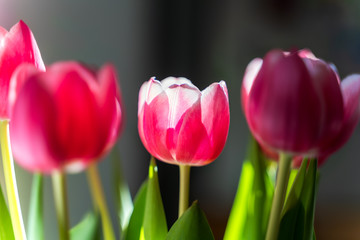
point(67, 116)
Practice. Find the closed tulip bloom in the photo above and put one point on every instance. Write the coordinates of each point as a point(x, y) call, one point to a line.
point(294, 103)
point(16, 47)
point(179, 124)
point(68, 115)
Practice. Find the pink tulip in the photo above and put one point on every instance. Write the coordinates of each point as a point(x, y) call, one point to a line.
point(295, 103)
point(66, 116)
point(179, 124)
point(16, 46)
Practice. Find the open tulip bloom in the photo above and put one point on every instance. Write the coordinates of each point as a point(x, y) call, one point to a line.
point(295, 105)
point(179, 124)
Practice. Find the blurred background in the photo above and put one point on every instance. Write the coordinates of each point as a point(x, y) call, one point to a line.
point(205, 41)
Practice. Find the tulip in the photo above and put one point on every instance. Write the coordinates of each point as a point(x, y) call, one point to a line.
point(180, 125)
point(16, 47)
point(66, 116)
point(295, 103)
point(295, 106)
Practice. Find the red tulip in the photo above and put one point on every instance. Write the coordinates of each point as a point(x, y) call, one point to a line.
point(179, 124)
point(295, 103)
point(16, 46)
point(68, 115)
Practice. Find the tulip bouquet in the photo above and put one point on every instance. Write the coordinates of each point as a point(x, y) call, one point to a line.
point(297, 109)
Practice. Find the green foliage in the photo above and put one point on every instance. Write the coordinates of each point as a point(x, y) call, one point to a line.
point(192, 225)
point(36, 221)
point(249, 215)
point(148, 219)
point(6, 229)
point(89, 228)
point(298, 213)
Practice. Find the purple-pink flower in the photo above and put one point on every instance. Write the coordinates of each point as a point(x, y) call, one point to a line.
point(179, 124)
point(295, 103)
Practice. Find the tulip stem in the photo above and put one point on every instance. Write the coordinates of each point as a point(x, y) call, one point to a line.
point(60, 197)
point(279, 196)
point(10, 181)
point(99, 201)
point(184, 188)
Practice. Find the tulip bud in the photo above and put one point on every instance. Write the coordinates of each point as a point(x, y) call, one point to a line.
point(179, 124)
point(16, 47)
point(294, 103)
point(66, 116)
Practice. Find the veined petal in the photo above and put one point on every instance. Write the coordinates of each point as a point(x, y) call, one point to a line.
point(169, 81)
point(181, 98)
point(215, 115)
point(193, 143)
point(153, 127)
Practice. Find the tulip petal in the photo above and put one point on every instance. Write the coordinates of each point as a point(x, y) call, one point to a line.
point(78, 125)
point(193, 144)
point(169, 81)
point(251, 72)
point(34, 116)
point(153, 128)
point(110, 105)
point(351, 94)
point(3, 32)
point(18, 78)
point(181, 98)
point(215, 115)
point(17, 46)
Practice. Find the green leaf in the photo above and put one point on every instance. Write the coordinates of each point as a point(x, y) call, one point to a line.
point(192, 225)
point(6, 229)
point(249, 215)
point(123, 199)
point(133, 230)
point(89, 228)
point(35, 218)
point(155, 227)
point(298, 214)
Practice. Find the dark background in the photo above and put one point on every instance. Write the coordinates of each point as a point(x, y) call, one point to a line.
point(205, 41)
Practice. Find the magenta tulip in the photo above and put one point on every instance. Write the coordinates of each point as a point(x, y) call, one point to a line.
point(179, 124)
point(66, 116)
point(294, 103)
point(16, 47)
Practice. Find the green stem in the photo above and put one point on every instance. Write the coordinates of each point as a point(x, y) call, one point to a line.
point(35, 219)
point(99, 201)
point(279, 196)
point(60, 197)
point(10, 181)
point(184, 188)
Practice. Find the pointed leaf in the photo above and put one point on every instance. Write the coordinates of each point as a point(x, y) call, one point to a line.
point(192, 225)
point(155, 226)
point(251, 208)
point(308, 197)
point(36, 221)
point(89, 228)
point(123, 199)
point(6, 229)
point(137, 217)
